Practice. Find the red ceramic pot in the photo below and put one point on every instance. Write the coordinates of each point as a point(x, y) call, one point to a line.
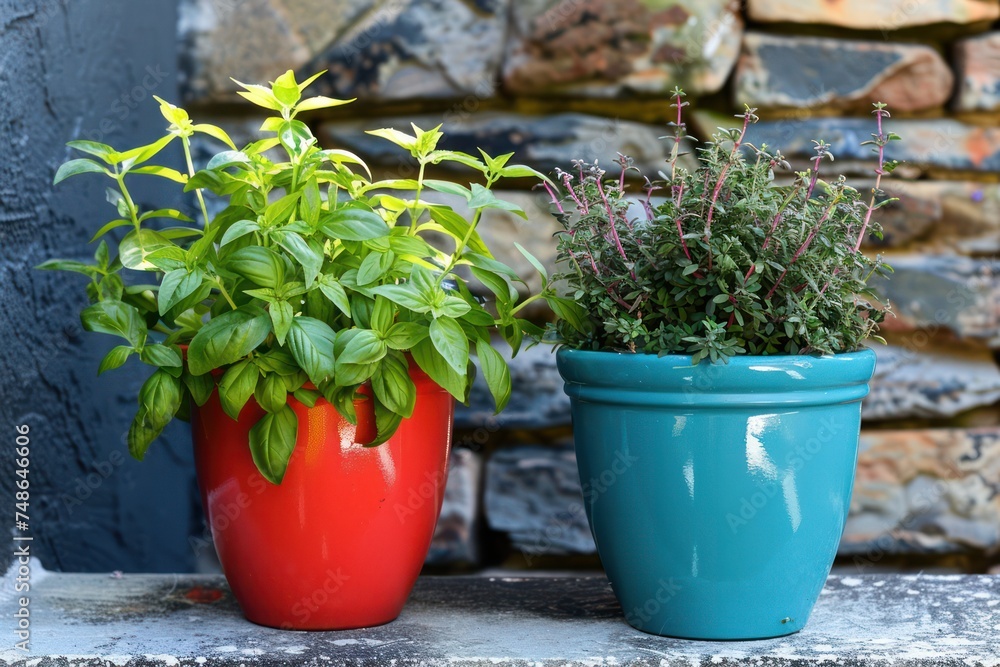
point(340, 542)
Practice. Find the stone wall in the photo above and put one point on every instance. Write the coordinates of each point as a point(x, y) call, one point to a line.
point(555, 80)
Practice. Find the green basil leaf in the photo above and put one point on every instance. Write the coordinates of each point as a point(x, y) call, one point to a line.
point(404, 335)
point(271, 393)
point(201, 248)
point(281, 319)
point(521, 171)
point(160, 397)
point(114, 224)
point(365, 348)
point(318, 102)
point(272, 441)
point(163, 172)
point(215, 132)
point(405, 295)
point(361, 305)
point(490, 264)
point(261, 266)
point(114, 358)
point(426, 282)
point(78, 166)
point(141, 434)
point(285, 89)
point(295, 381)
point(339, 156)
point(342, 398)
point(163, 356)
point(297, 247)
point(392, 385)
point(281, 210)
point(354, 374)
point(478, 317)
point(535, 263)
point(296, 137)
point(307, 397)
point(349, 223)
point(401, 139)
point(450, 340)
point(432, 363)
point(172, 214)
point(448, 187)
point(140, 154)
point(458, 228)
point(167, 258)
point(333, 291)
point(453, 306)
point(200, 387)
point(570, 311)
point(383, 315)
point(103, 151)
point(386, 423)
point(135, 249)
point(496, 283)
point(437, 157)
point(374, 266)
point(115, 318)
point(259, 95)
point(239, 229)
point(68, 265)
point(237, 386)
point(414, 246)
point(176, 286)
point(311, 343)
point(496, 373)
point(228, 338)
point(278, 361)
point(484, 198)
point(497, 163)
point(228, 159)
point(101, 255)
point(311, 203)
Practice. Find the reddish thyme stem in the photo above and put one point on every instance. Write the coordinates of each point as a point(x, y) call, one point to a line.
point(555, 200)
point(821, 150)
point(678, 190)
point(881, 142)
point(722, 179)
point(611, 222)
point(805, 246)
point(722, 176)
point(774, 226)
point(767, 241)
point(567, 181)
point(645, 204)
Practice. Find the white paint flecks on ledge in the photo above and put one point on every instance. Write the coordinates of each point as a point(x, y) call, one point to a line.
point(899, 620)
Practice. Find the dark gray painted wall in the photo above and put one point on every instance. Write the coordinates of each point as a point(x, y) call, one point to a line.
point(72, 69)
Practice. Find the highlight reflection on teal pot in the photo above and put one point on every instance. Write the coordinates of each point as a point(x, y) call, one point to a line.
point(717, 494)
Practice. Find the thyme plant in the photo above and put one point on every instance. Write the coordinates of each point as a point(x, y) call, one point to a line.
point(729, 262)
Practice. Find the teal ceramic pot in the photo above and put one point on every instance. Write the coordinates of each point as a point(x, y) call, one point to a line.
point(717, 494)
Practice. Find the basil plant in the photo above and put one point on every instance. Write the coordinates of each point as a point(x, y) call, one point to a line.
point(313, 280)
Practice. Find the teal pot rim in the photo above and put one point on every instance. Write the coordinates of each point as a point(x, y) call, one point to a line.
point(630, 379)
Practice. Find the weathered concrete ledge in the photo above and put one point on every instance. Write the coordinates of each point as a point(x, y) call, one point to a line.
point(900, 620)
